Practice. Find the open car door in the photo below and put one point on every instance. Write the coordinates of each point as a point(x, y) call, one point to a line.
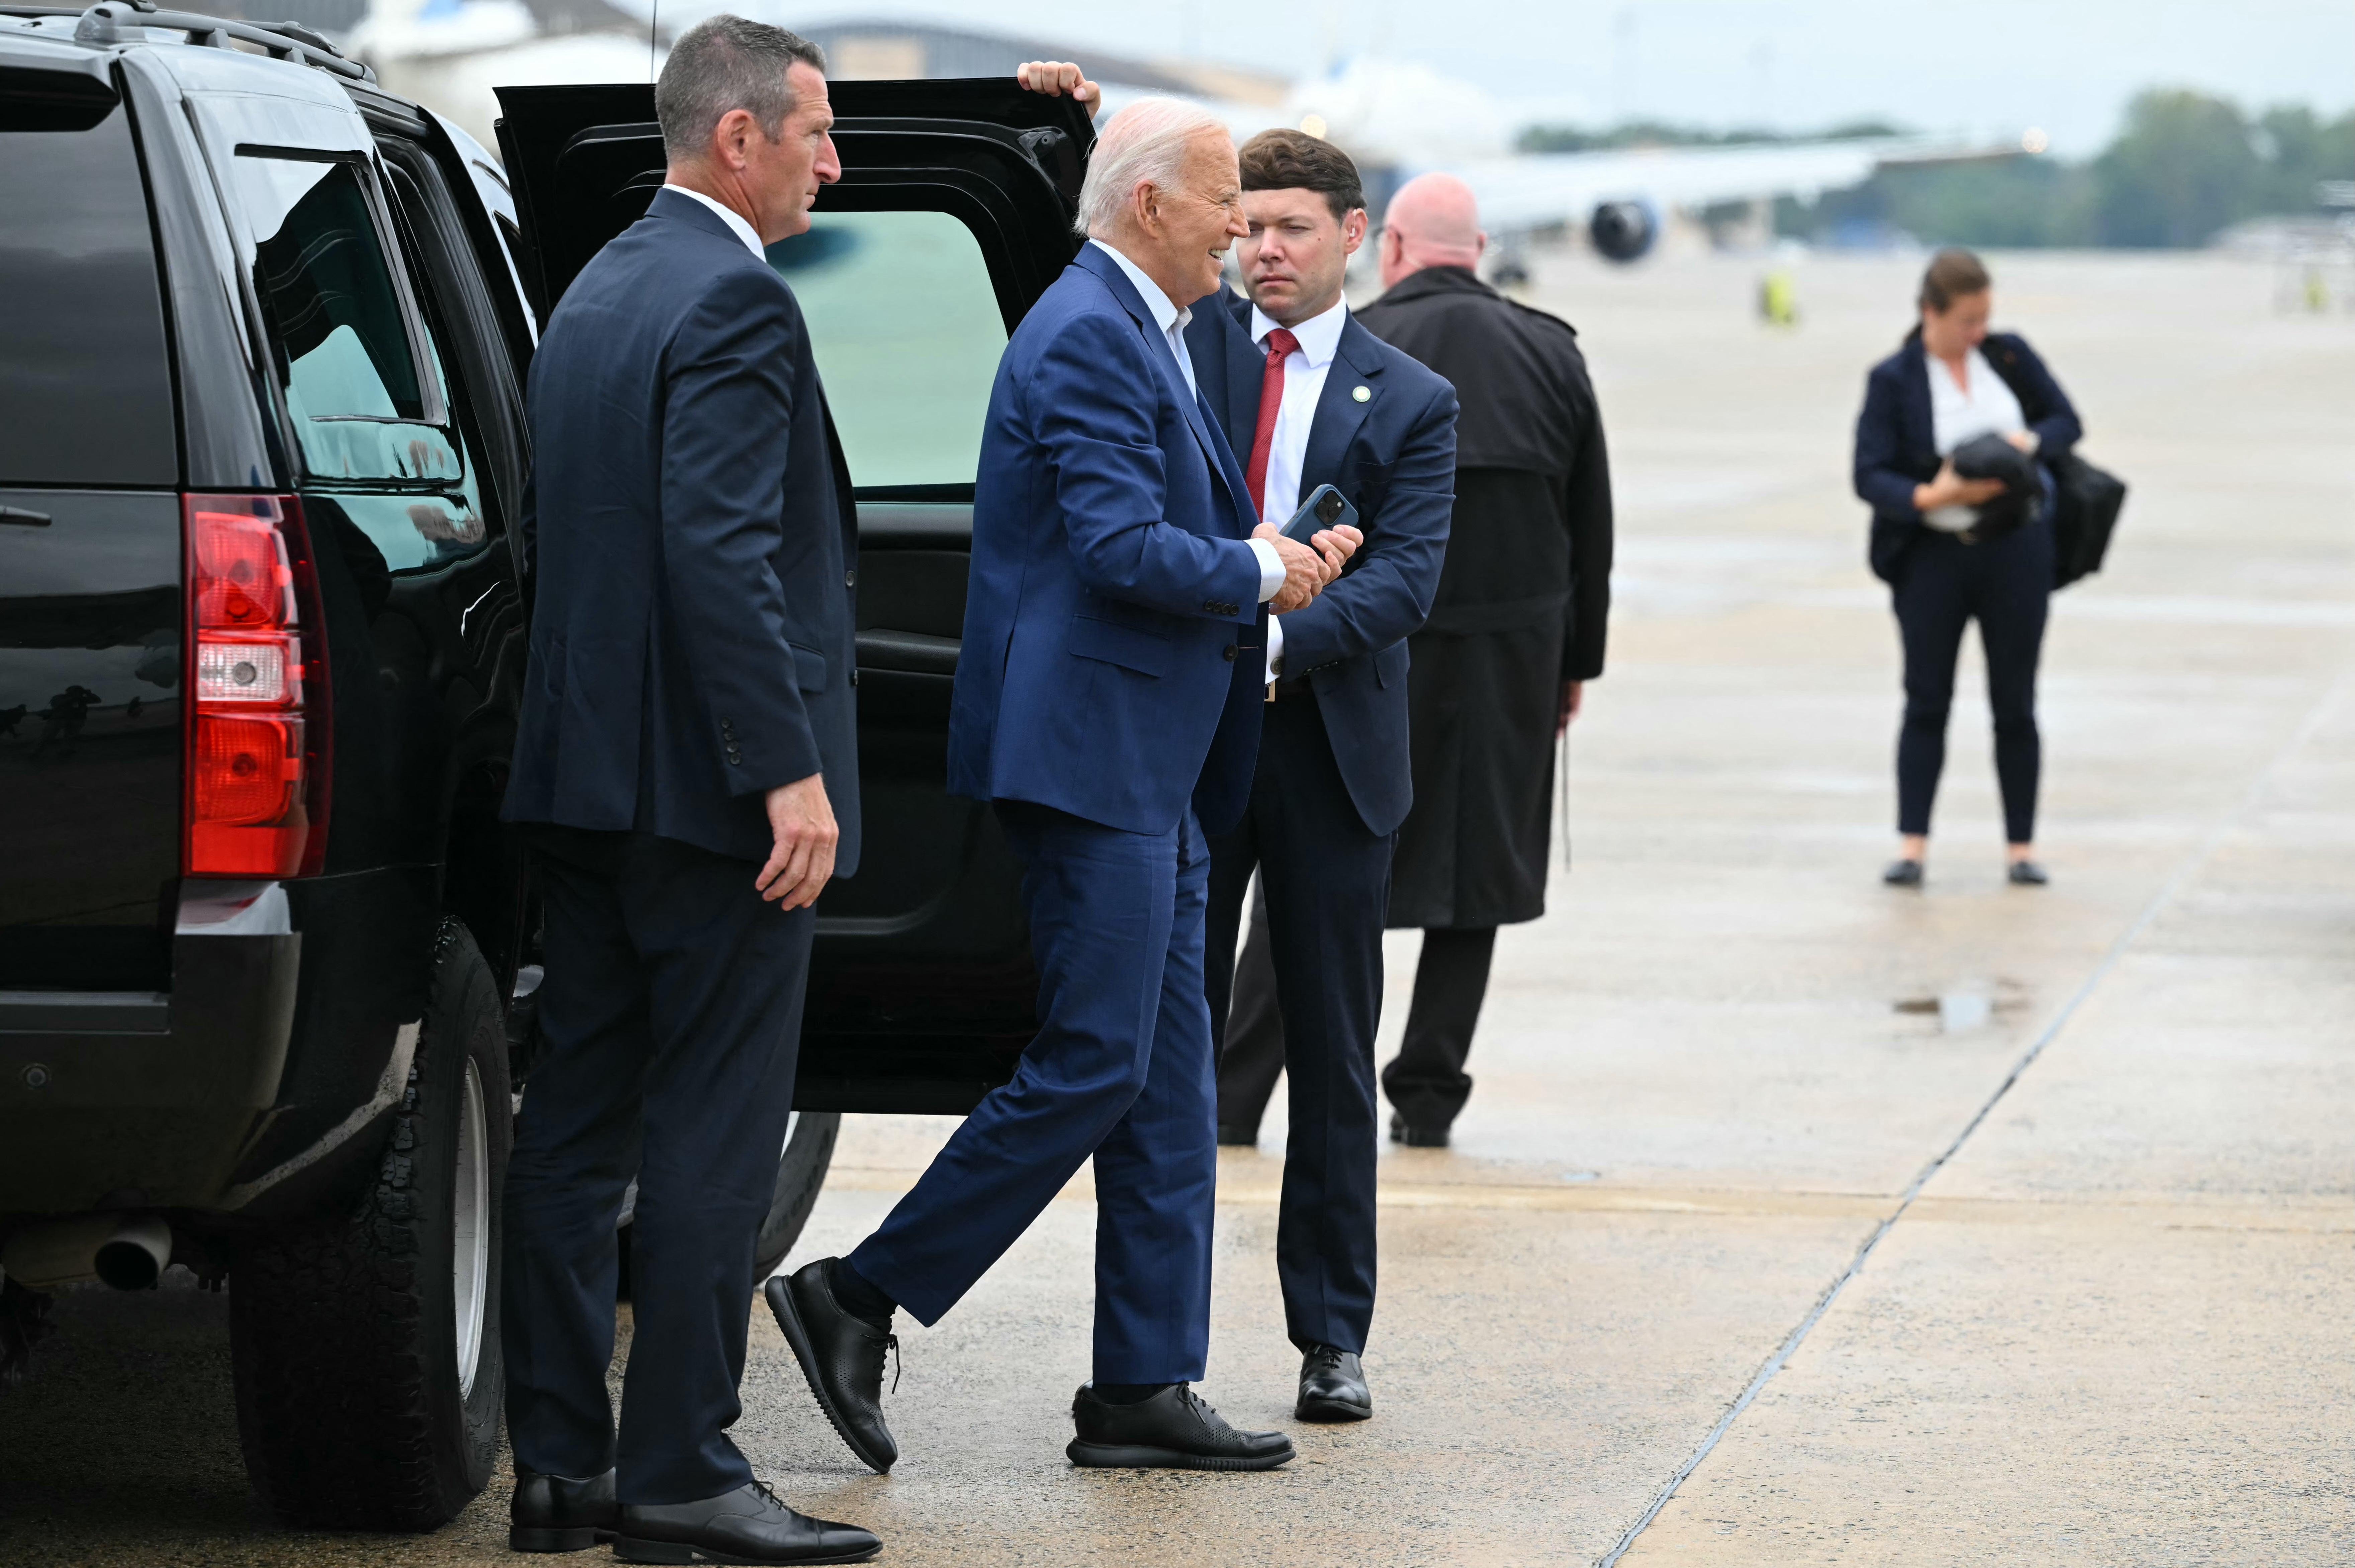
point(952, 215)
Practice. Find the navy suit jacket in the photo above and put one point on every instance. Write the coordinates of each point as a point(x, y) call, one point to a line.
point(691, 527)
point(1393, 455)
point(1896, 442)
point(1111, 663)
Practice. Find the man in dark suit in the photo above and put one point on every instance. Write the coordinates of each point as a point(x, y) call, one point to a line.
point(686, 767)
point(1108, 702)
point(1516, 632)
point(1316, 399)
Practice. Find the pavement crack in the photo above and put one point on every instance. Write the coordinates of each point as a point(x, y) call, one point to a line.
point(2186, 870)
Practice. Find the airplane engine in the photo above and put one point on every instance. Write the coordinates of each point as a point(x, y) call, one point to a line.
point(1623, 231)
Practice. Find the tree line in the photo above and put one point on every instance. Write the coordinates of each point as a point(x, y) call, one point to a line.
point(2184, 166)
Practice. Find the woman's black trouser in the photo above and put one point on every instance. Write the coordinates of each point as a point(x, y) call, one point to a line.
point(1943, 583)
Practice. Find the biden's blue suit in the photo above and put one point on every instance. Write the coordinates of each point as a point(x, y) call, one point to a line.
point(1108, 701)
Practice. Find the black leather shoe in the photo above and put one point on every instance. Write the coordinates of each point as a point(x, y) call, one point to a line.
point(1238, 1137)
point(841, 1355)
point(1903, 874)
point(750, 1524)
point(1404, 1132)
point(2027, 874)
point(1174, 1430)
point(557, 1513)
point(1332, 1386)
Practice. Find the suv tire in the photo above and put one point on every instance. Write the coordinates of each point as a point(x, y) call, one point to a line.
point(800, 1172)
point(367, 1352)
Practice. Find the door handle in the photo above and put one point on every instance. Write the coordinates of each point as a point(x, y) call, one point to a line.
point(23, 518)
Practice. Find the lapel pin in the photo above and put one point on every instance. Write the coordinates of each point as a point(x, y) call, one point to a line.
point(1363, 394)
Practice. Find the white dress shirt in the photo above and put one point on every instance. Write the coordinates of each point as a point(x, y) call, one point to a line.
point(1304, 382)
point(1982, 405)
point(728, 215)
point(1172, 320)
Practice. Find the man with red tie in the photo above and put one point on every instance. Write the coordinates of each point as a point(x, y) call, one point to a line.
point(1316, 399)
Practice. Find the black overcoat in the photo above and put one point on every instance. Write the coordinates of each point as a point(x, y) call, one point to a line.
point(1524, 599)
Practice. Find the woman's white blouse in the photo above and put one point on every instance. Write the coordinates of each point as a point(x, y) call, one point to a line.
point(1957, 415)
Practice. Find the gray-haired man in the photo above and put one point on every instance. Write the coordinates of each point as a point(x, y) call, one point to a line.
point(679, 775)
point(1108, 689)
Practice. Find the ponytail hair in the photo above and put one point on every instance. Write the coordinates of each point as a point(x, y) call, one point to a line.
point(1953, 273)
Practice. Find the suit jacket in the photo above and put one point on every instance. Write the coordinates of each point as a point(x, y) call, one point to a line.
point(1896, 442)
point(1393, 455)
point(1111, 629)
point(691, 527)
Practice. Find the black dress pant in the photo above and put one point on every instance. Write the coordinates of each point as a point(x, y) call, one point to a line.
point(671, 1013)
point(1942, 584)
point(1327, 884)
point(1425, 1081)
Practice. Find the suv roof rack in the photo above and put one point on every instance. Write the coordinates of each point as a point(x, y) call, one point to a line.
point(106, 23)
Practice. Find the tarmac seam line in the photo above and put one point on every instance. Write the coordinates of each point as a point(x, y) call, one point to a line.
point(2190, 867)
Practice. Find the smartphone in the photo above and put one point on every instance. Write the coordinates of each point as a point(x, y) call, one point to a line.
point(1325, 508)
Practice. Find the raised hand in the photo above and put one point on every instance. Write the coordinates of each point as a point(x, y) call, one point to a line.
point(1056, 78)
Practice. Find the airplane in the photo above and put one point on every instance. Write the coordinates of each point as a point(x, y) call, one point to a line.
point(1398, 119)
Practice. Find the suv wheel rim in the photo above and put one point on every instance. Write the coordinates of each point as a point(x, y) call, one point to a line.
point(470, 1230)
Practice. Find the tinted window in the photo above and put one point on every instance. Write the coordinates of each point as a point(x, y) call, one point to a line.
point(906, 329)
point(361, 410)
point(413, 530)
point(85, 387)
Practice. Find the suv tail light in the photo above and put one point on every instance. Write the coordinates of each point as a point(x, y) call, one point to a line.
point(258, 766)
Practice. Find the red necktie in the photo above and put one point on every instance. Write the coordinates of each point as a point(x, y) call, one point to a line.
point(1280, 344)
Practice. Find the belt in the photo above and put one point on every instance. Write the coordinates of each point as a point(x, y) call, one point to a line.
point(1290, 688)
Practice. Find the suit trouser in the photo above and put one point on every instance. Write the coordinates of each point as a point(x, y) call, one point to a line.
point(1426, 1082)
point(1942, 584)
point(1120, 1069)
point(671, 1013)
point(1326, 879)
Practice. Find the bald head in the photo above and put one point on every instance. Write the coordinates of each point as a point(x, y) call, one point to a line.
point(1432, 221)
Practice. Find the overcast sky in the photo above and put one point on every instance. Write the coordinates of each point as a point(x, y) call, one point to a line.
point(1985, 67)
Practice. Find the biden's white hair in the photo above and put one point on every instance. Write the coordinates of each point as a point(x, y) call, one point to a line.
point(1143, 144)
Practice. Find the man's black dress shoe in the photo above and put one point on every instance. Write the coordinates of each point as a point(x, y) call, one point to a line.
point(750, 1524)
point(1906, 873)
point(2027, 874)
point(557, 1513)
point(1332, 1386)
point(1404, 1132)
point(1238, 1137)
point(1174, 1430)
point(842, 1356)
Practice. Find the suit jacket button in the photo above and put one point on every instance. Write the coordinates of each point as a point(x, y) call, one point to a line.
point(851, 579)
point(1230, 651)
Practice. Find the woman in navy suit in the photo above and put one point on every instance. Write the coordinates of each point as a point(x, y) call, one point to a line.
point(1949, 383)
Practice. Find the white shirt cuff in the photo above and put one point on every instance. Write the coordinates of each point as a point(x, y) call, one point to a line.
point(1275, 647)
point(1271, 569)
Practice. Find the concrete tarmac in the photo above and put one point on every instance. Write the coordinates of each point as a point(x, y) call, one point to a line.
point(1794, 1219)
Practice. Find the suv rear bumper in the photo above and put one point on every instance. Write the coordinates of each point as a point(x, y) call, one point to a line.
point(116, 1100)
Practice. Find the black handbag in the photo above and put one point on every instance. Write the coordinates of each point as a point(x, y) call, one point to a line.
point(2085, 512)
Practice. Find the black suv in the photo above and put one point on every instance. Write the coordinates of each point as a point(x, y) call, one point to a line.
point(266, 951)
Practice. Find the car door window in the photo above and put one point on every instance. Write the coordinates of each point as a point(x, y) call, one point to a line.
point(367, 379)
point(904, 323)
point(361, 408)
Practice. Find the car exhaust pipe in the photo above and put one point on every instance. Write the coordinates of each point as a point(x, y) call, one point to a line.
point(128, 1253)
point(136, 1256)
